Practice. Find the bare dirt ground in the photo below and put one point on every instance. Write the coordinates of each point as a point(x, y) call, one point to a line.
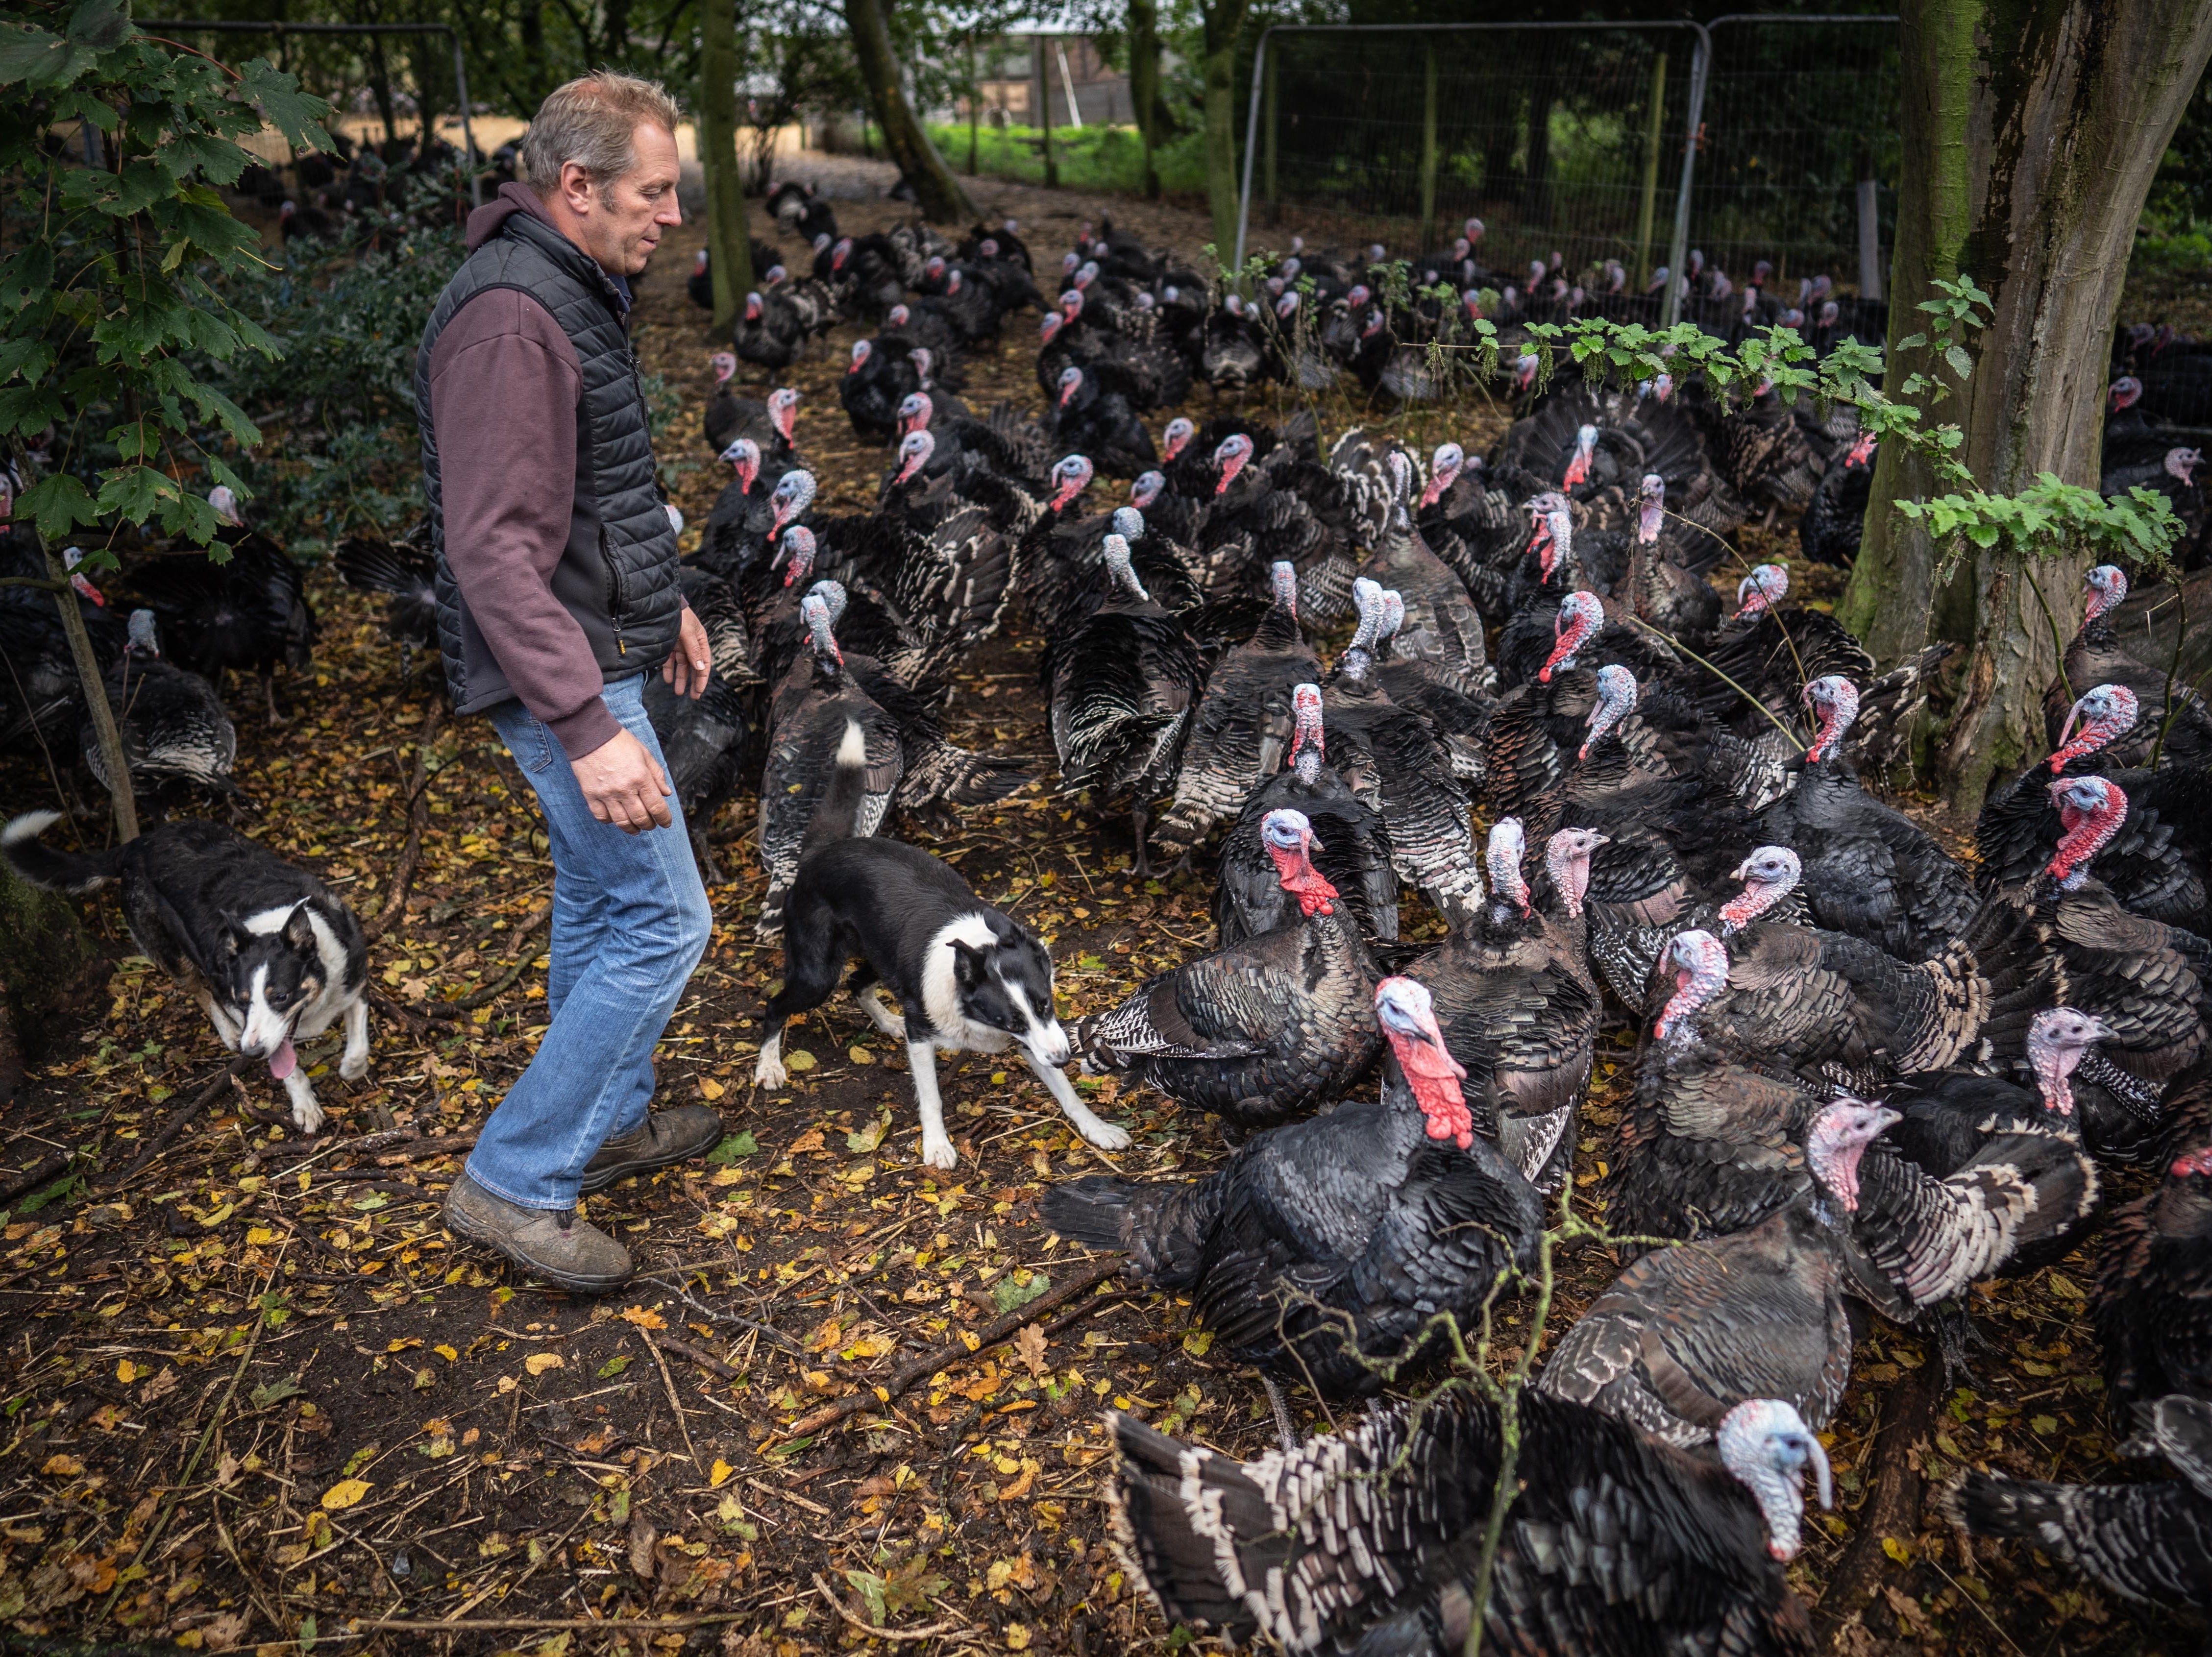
point(257, 1397)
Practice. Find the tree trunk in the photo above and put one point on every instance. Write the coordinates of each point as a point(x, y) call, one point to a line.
point(2039, 130)
point(943, 200)
point(1144, 84)
point(730, 258)
point(94, 685)
point(1536, 183)
point(1225, 21)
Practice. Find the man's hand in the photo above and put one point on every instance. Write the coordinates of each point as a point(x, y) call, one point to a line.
point(687, 664)
point(623, 785)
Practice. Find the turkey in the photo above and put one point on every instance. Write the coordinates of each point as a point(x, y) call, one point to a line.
point(1596, 448)
point(407, 575)
point(1460, 716)
point(2142, 977)
point(1243, 726)
point(2174, 721)
point(1121, 688)
point(2153, 1302)
point(1771, 650)
point(820, 715)
point(881, 373)
point(1832, 525)
point(1764, 456)
point(1351, 847)
point(1100, 422)
point(1441, 624)
point(1869, 870)
point(1367, 1541)
point(1323, 1248)
point(1687, 1334)
point(2159, 865)
point(1665, 580)
point(173, 725)
point(248, 614)
point(704, 738)
point(777, 325)
point(1424, 806)
point(2148, 1543)
point(1264, 1029)
point(1233, 353)
point(41, 696)
point(798, 211)
point(1519, 1008)
point(771, 425)
point(1064, 569)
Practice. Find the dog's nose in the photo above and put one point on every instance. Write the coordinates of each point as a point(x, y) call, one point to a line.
point(1053, 1045)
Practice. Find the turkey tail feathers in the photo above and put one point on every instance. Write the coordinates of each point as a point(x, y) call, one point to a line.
point(1161, 1225)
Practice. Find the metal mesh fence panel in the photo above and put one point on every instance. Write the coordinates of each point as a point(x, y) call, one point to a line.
point(1800, 120)
point(1565, 141)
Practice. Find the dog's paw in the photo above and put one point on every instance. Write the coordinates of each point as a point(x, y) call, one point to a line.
point(937, 1151)
point(307, 1116)
point(354, 1067)
point(1107, 1136)
point(769, 1073)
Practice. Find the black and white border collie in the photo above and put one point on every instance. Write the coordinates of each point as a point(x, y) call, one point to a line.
point(271, 956)
point(970, 979)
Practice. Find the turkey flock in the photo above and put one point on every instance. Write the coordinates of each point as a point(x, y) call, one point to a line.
point(1868, 1074)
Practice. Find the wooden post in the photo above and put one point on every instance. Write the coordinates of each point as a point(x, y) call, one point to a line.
point(1268, 121)
point(1144, 82)
point(1653, 119)
point(1429, 144)
point(730, 260)
point(975, 91)
point(1044, 113)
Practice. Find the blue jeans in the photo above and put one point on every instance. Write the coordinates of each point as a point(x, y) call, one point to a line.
point(630, 921)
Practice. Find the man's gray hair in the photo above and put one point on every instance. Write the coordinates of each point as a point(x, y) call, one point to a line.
point(593, 121)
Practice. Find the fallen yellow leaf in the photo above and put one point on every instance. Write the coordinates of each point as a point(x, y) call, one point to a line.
point(799, 1059)
point(643, 1318)
point(720, 1474)
point(539, 1363)
point(126, 1372)
point(62, 1466)
point(711, 1088)
point(446, 1352)
point(344, 1494)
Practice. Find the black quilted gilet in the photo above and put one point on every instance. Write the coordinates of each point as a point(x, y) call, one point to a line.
point(618, 574)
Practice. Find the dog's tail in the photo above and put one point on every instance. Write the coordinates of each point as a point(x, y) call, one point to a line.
point(836, 818)
point(57, 872)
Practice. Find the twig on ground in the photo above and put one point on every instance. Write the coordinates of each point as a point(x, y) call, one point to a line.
point(418, 825)
point(674, 1402)
point(930, 1632)
point(180, 1116)
point(707, 1361)
point(922, 1368)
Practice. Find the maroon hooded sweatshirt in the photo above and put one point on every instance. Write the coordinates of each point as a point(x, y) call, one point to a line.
point(504, 386)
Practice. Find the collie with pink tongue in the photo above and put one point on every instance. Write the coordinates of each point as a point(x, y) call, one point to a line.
point(1408, 1018)
point(1289, 837)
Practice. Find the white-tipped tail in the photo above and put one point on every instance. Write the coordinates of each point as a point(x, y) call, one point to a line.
point(29, 826)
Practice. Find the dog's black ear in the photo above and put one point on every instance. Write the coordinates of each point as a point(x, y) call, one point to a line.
point(969, 967)
point(299, 931)
point(234, 939)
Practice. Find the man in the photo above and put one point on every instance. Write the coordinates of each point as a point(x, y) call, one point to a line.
point(556, 594)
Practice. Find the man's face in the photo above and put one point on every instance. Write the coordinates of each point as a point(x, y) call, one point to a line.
point(619, 223)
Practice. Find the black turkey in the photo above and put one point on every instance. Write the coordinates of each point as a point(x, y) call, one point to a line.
point(1366, 1541)
point(1260, 1031)
point(819, 714)
point(2174, 722)
point(2148, 1543)
point(2152, 1304)
point(1244, 724)
point(1323, 1249)
point(1121, 686)
point(1088, 417)
point(407, 575)
point(1834, 523)
point(770, 424)
point(1687, 1334)
point(1351, 848)
point(704, 738)
point(174, 727)
point(249, 613)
